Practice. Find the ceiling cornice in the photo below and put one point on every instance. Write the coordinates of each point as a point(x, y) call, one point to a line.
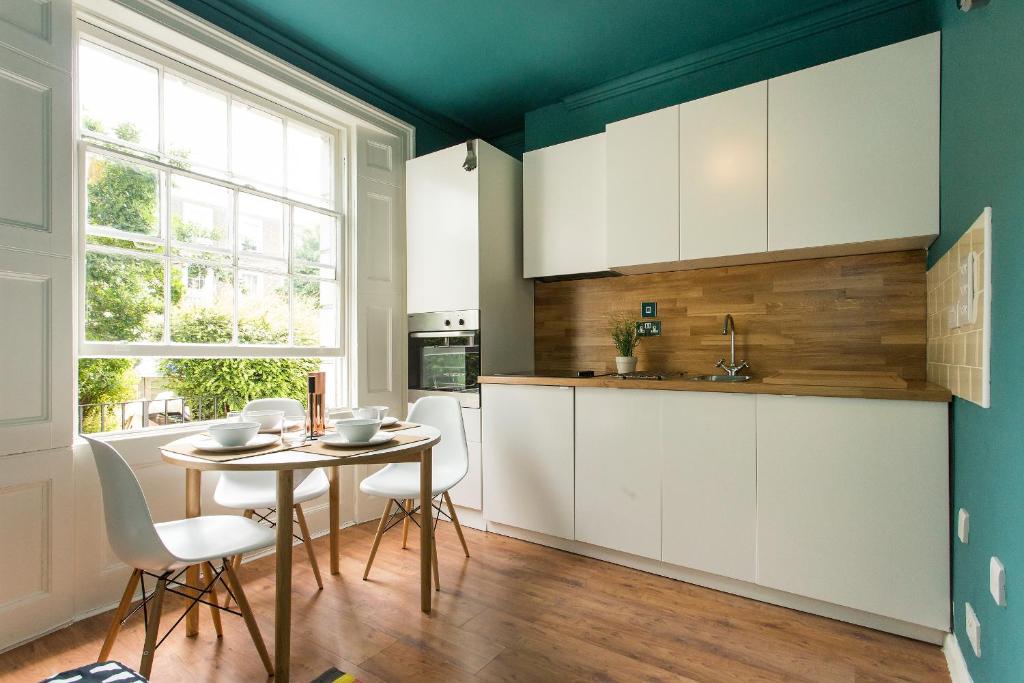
point(290, 49)
point(751, 44)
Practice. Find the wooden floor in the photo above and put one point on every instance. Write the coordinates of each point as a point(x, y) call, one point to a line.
point(514, 612)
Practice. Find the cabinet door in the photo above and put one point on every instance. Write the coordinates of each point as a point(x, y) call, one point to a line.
point(709, 468)
point(528, 457)
point(468, 492)
point(442, 233)
point(852, 503)
point(723, 174)
point(853, 148)
point(643, 189)
point(618, 470)
point(564, 209)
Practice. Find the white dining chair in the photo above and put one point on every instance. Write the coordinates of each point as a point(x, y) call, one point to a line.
point(255, 491)
point(400, 482)
point(164, 551)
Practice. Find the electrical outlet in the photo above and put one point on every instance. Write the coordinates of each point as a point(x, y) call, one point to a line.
point(973, 628)
point(997, 581)
point(649, 328)
point(963, 525)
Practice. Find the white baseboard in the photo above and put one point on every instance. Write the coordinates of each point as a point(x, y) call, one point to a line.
point(474, 519)
point(958, 672)
point(726, 585)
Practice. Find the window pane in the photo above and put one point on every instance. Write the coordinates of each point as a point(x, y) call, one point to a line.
point(257, 147)
point(315, 307)
point(261, 242)
point(123, 196)
point(118, 96)
point(262, 308)
point(313, 237)
point(200, 213)
point(309, 165)
point(124, 298)
point(202, 298)
point(195, 125)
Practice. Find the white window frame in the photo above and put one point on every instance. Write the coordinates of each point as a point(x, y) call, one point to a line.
point(92, 144)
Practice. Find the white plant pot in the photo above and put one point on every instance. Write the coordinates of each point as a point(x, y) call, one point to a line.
point(625, 364)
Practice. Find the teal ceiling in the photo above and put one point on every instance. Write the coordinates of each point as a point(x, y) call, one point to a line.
point(483, 64)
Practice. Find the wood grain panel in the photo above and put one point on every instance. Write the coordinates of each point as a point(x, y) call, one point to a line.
point(863, 312)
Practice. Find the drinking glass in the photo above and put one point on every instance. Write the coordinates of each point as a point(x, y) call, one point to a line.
point(293, 430)
point(234, 416)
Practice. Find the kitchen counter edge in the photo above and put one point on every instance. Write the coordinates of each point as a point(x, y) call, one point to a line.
point(915, 390)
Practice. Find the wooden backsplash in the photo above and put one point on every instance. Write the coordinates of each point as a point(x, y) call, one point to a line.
point(843, 313)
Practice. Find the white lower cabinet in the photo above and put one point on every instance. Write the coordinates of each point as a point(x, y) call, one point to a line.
point(708, 482)
point(618, 463)
point(468, 492)
point(528, 457)
point(852, 504)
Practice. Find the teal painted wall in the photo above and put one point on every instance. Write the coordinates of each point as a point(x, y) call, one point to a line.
point(433, 131)
point(983, 165)
point(557, 122)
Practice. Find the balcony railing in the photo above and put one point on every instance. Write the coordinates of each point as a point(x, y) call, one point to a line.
point(138, 414)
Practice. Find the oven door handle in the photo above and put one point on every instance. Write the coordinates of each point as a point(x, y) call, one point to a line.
point(444, 333)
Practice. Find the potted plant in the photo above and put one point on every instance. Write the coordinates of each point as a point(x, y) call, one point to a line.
point(625, 337)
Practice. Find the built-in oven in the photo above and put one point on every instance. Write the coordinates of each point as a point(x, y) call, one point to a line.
point(444, 356)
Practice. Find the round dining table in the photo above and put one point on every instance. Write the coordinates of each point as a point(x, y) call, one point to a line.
point(285, 463)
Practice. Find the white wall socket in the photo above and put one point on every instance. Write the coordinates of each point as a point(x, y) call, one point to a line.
point(973, 628)
point(997, 581)
point(963, 525)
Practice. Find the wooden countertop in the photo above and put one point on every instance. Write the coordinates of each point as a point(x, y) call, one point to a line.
point(914, 391)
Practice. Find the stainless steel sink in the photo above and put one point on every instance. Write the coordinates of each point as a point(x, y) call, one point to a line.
point(720, 378)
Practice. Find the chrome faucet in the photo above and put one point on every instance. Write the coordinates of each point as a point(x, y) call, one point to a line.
point(732, 368)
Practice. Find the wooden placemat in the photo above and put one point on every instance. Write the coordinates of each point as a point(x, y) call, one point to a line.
point(399, 426)
point(320, 448)
point(184, 446)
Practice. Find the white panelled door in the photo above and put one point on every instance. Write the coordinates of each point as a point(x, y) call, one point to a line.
point(380, 317)
point(36, 335)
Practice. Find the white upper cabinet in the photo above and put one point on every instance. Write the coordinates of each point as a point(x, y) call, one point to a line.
point(564, 226)
point(643, 189)
point(854, 149)
point(723, 174)
point(442, 233)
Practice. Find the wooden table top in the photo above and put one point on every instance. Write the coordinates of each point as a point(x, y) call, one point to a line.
point(295, 460)
point(914, 391)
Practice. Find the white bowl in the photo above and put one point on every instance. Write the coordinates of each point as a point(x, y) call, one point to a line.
point(269, 420)
point(357, 430)
point(231, 434)
point(371, 412)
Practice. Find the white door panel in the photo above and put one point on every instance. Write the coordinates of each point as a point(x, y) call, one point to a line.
point(36, 515)
point(36, 151)
point(41, 28)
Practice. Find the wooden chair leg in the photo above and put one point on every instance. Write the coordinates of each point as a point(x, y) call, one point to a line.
point(236, 561)
point(308, 542)
point(376, 539)
point(152, 627)
point(250, 619)
point(405, 523)
point(119, 614)
point(455, 521)
point(214, 610)
point(433, 562)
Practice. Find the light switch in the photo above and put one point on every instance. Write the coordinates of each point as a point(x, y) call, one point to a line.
point(963, 525)
point(973, 628)
point(997, 581)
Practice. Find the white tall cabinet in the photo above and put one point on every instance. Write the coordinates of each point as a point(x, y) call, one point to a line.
point(854, 148)
point(643, 188)
point(528, 449)
point(564, 211)
point(37, 335)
